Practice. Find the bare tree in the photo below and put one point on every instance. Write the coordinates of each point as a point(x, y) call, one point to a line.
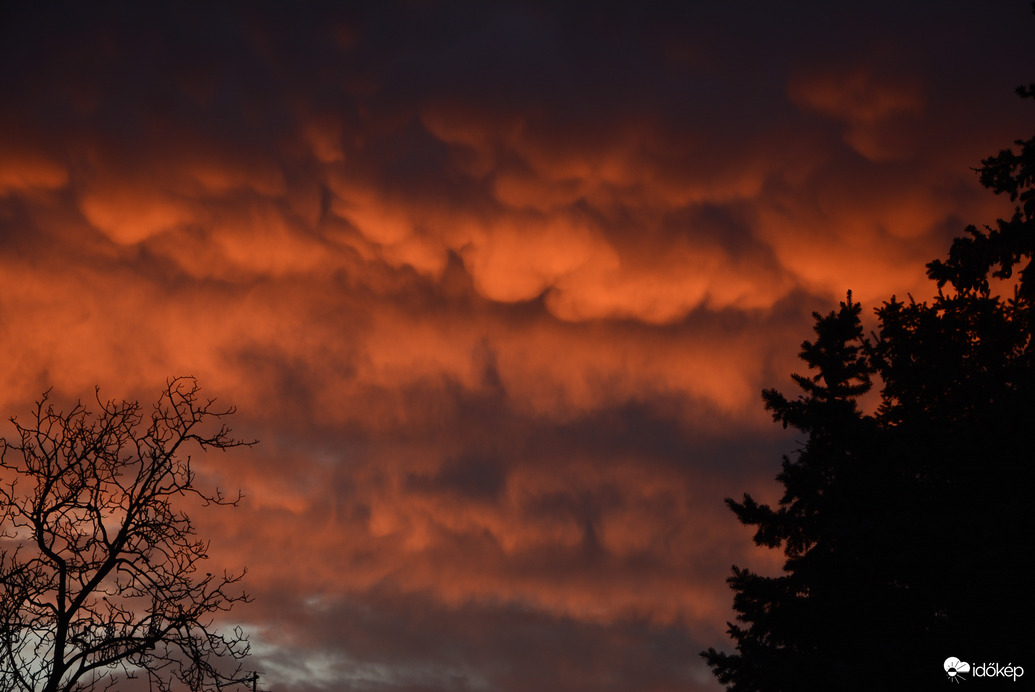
point(99, 566)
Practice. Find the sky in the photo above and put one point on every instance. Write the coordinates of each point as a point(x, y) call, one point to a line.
point(496, 285)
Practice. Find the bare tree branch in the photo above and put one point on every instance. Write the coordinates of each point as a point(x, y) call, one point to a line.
point(99, 567)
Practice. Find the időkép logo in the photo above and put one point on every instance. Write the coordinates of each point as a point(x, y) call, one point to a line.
point(958, 670)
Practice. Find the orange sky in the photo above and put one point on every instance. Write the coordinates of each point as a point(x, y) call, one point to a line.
point(496, 287)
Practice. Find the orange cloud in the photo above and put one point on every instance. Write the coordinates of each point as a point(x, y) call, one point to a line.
point(132, 214)
point(536, 544)
point(497, 295)
point(23, 171)
point(880, 115)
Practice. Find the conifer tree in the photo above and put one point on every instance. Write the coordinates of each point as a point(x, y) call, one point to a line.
point(907, 531)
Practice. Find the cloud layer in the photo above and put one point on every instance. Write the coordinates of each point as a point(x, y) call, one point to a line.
point(496, 286)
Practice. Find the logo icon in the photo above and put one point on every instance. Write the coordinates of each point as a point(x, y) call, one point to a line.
point(955, 668)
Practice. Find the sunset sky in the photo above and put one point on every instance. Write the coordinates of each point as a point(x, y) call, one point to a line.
point(496, 285)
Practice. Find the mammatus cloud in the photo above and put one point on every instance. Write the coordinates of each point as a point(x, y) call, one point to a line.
point(497, 297)
point(880, 115)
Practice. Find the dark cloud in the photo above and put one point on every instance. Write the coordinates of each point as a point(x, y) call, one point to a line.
point(403, 643)
point(496, 284)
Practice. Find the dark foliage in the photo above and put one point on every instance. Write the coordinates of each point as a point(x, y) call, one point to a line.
point(907, 532)
point(99, 565)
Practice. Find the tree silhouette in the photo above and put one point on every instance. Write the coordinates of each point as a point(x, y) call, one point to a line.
point(907, 531)
point(99, 567)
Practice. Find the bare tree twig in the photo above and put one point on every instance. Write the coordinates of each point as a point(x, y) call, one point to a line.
point(99, 567)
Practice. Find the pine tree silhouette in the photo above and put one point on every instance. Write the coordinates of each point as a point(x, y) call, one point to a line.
point(906, 532)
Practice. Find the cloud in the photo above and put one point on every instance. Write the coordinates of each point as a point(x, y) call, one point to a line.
point(880, 115)
point(25, 171)
point(496, 288)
